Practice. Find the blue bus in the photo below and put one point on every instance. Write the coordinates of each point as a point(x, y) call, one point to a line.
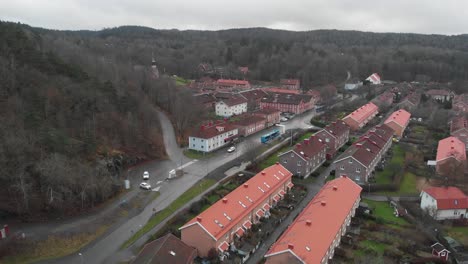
point(270, 136)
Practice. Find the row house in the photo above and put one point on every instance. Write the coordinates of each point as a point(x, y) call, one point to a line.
point(166, 249)
point(227, 84)
point(358, 162)
point(235, 105)
point(459, 129)
point(385, 99)
point(460, 103)
point(212, 136)
point(398, 121)
point(318, 229)
point(280, 90)
point(451, 158)
point(291, 84)
point(272, 116)
point(335, 136)
point(444, 203)
point(291, 103)
point(253, 97)
point(249, 124)
point(411, 101)
point(305, 157)
point(361, 116)
point(440, 95)
point(226, 221)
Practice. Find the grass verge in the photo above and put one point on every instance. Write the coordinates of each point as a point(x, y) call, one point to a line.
point(191, 193)
point(55, 247)
point(193, 154)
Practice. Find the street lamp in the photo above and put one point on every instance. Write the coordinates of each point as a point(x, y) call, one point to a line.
point(81, 258)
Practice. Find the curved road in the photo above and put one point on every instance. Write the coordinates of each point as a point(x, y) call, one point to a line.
point(105, 249)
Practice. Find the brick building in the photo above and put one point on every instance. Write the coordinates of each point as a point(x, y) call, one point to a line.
point(451, 158)
point(291, 103)
point(459, 129)
point(271, 115)
point(226, 84)
point(460, 103)
point(167, 249)
point(411, 101)
point(291, 84)
point(249, 124)
point(334, 135)
point(398, 121)
point(361, 116)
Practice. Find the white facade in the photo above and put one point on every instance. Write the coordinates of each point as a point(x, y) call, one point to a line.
point(210, 144)
point(222, 109)
point(429, 204)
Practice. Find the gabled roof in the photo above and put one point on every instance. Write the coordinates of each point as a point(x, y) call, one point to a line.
point(204, 98)
point(309, 147)
point(458, 123)
point(439, 247)
point(212, 129)
point(448, 197)
point(281, 90)
point(252, 95)
point(228, 211)
point(363, 112)
point(309, 237)
point(438, 92)
point(234, 100)
point(374, 78)
point(289, 81)
point(167, 249)
point(248, 119)
point(364, 152)
point(451, 147)
point(400, 117)
point(287, 98)
point(337, 128)
point(232, 82)
point(383, 131)
point(412, 98)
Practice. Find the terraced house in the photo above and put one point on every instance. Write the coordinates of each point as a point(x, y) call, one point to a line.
point(451, 158)
point(317, 231)
point(459, 129)
point(361, 116)
point(288, 102)
point(334, 135)
point(398, 121)
point(305, 157)
point(358, 162)
point(212, 136)
point(226, 221)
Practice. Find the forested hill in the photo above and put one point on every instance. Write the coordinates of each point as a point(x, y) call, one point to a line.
point(59, 126)
point(316, 57)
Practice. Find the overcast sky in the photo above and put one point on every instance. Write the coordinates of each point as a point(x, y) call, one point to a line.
point(418, 16)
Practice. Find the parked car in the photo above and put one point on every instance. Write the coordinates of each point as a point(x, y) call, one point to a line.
point(231, 149)
point(284, 119)
point(145, 175)
point(145, 186)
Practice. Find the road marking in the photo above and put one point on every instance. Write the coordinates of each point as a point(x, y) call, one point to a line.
point(187, 164)
point(156, 189)
point(159, 182)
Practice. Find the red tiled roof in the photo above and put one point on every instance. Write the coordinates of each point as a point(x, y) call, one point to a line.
point(383, 131)
point(337, 128)
point(227, 212)
point(224, 246)
point(247, 224)
point(400, 117)
point(458, 123)
point(232, 82)
point(363, 112)
point(289, 81)
point(276, 198)
point(448, 197)
point(290, 185)
point(252, 95)
point(281, 90)
point(209, 131)
point(266, 207)
point(240, 232)
point(364, 152)
point(374, 77)
point(260, 213)
point(159, 251)
point(311, 234)
point(451, 147)
point(309, 147)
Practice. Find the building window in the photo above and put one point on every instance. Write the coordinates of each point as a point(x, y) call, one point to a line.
point(341, 167)
point(350, 161)
point(358, 178)
point(285, 161)
point(298, 163)
point(358, 170)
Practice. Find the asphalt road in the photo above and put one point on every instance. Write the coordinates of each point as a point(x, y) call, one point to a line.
point(105, 248)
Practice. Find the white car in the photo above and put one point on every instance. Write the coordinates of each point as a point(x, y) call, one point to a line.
point(145, 175)
point(284, 119)
point(231, 149)
point(145, 185)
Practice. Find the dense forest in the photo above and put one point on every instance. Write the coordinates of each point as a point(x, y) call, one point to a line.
point(316, 57)
point(65, 133)
point(73, 101)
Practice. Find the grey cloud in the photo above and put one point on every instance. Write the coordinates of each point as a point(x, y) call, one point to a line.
point(419, 16)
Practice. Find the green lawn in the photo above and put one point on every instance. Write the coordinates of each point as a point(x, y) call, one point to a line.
point(384, 177)
point(408, 184)
point(193, 154)
point(373, 246)
point(181, 81)
point(195, 190)
point(384, 211)
point(306, 135)
point(460, 233)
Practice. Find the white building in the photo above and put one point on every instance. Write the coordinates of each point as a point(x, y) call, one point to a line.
point(231, 106)
point(374, 79)
point(212, 136)
point(444, 203)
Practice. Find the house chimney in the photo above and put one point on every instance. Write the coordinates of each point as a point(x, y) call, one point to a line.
point(344, 176)
point(306, 141)
point(290, 246)
point(298, 145)
point(202, 127)
point(225, 200)
point(358, 145)
point(263, 173)
point(199, 218)
point(246, 185)
point(308, 222)
point(323, 203)
point(277, 163)
point(335, 188)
